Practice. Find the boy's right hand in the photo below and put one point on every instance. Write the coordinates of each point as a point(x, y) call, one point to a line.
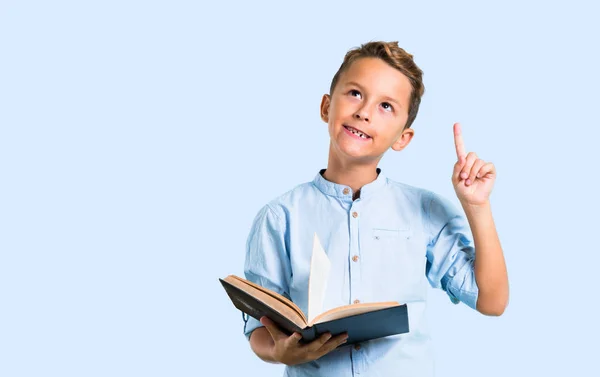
point(289, 351)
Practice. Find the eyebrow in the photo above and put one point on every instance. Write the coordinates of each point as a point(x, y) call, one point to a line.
point(387, 98)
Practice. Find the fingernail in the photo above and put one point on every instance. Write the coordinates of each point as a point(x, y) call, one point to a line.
point(463, 175)
point(468, 181)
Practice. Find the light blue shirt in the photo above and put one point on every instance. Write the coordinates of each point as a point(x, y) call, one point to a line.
point(387, 245)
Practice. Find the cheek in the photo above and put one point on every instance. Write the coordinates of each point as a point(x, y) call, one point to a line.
point(402, 118)
point(343, 106)
point(394, 121)
point(334, 116)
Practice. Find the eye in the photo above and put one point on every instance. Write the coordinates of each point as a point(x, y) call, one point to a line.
point(354, 93)
point(386, 106)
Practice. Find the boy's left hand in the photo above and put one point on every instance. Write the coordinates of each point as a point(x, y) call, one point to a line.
point(472, 178)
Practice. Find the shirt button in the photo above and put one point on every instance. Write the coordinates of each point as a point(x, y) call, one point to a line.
point(355, 214)
point(346, 191)
point(355, 258)
point(357, 301)
point(357, 347)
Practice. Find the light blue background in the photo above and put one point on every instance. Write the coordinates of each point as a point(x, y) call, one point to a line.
point(139, 139)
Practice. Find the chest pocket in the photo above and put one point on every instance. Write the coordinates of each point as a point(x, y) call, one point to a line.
point(387, 236)
point(399, 257)
point(391, 246)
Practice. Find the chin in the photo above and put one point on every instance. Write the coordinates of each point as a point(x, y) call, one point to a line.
point(349, 153)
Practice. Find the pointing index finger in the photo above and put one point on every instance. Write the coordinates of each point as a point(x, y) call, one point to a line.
point(459, 143)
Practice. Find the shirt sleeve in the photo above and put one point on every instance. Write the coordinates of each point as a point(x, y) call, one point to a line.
point(450, 253)
point(267, 262)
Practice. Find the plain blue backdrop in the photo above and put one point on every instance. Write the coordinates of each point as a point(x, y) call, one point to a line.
point(138, 139)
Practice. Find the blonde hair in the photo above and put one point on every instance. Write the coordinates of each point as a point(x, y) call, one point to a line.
point(397, 58)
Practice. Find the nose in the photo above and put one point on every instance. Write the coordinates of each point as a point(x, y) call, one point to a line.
point(362, 113)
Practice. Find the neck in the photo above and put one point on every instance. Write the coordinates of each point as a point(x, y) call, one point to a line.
point(351, 174)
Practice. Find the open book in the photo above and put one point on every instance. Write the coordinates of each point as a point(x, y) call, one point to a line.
point(362, 322)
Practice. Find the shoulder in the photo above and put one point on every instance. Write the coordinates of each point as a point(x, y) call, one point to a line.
point(436, 209)
point(424, 195)
point(412, 193)
point(283, 203)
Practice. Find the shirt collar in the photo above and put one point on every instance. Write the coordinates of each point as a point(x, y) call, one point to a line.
point(344, 191)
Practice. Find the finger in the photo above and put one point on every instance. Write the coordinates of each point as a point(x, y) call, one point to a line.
point(293, 340)
point(466, 170)
point(486, 170)
point(316, 344)
point(456, 172)
point(475, 171)
point(333, 343)
point(459, 143)
point(272, 328)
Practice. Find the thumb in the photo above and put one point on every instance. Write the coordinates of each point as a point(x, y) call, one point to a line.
point(272, 328)
point(456, 173)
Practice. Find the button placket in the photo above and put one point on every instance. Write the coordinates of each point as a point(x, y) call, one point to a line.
point(355, 270)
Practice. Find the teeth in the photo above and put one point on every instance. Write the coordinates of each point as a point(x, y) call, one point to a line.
point(357, 132)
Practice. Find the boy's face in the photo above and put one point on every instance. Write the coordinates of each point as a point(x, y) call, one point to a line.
point(367, 111)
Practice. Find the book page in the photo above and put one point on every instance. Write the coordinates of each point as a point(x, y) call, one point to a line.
point(268, 298)
point(317, 281)
point(350, 310)
point(269, 292)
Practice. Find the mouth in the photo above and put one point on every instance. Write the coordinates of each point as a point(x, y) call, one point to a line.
point(357, 132)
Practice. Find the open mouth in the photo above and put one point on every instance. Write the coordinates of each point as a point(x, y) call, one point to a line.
point(357, 132)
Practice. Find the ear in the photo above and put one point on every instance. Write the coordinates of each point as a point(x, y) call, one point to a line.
point(325, 102)
point(404, 139)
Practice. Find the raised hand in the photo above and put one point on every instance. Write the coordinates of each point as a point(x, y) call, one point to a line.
point(289, 351)
point(473, 178)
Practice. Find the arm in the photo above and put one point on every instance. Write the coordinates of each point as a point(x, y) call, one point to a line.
point(473, 180)
point(262, 344)
point(267, 264)
point(490, 267)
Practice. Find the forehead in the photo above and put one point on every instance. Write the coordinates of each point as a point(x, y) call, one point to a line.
point(379, 78)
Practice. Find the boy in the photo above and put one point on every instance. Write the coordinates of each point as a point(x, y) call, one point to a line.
point(384, 239)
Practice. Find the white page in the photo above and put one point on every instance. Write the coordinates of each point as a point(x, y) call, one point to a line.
point(317, 281)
